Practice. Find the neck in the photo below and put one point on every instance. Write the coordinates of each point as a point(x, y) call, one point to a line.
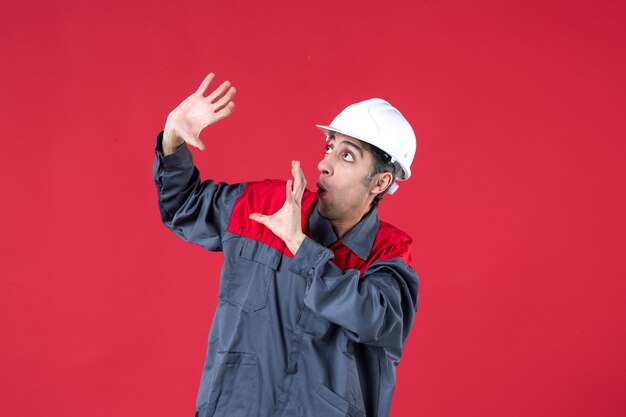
point(341, 227)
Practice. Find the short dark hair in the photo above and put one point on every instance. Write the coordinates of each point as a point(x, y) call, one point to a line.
point(382, 163)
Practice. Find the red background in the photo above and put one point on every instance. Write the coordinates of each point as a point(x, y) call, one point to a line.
point(516, 203)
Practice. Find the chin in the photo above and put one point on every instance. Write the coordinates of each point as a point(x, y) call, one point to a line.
point(323, 209)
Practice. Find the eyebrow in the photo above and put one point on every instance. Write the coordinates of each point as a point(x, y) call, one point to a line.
point(349, 143)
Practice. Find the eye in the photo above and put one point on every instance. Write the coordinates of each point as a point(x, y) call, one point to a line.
point(328, 149)
point(348, 157)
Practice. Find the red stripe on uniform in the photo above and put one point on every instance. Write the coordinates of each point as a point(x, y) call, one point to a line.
point(390, 243)
point(267, 197)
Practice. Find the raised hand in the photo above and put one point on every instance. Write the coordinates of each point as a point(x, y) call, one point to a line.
point(286, 222)
point(196, 112)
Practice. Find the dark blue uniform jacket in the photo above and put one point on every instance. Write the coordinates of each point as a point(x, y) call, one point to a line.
point(315, 334)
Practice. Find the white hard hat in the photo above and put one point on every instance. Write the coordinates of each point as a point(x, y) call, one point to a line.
point(378, 123)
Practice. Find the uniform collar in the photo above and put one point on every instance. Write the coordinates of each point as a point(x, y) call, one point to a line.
point(359, 239)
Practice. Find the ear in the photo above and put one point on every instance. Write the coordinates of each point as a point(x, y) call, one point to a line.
point(381, 182)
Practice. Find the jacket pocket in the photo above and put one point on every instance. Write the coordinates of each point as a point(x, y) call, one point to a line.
point(327, 403)
point(249, 276)
point(236, 388)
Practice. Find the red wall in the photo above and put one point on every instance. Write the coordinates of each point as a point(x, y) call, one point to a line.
point(516, 203)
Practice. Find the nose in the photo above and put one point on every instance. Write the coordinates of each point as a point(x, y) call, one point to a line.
point(325, 167)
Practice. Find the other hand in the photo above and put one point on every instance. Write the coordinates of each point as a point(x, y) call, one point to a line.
point(286, 223)
point(196, 112)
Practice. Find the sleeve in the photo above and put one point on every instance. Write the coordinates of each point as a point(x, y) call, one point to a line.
point(377, 309)
point(197, 212)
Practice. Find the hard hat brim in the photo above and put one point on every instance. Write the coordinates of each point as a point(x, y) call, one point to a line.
point(406, 172)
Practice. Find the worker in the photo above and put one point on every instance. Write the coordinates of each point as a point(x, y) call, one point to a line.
point(316, 295)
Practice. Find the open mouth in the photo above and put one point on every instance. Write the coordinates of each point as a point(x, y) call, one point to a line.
point(321, 191)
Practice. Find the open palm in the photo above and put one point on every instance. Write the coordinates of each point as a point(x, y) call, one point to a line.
point(196, 112)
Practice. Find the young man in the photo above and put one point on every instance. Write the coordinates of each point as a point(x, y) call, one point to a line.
point(316, 295)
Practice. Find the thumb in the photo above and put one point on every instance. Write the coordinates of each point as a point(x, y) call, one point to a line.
point(259, 218)
point(193, 141)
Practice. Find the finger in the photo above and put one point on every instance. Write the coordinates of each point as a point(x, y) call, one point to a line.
point(294, 174)
point(219, 104)
point(226, 111)
point(302, 177)
point(205, 83)
point(218, 91)
point(289, 191)
point(300, 182)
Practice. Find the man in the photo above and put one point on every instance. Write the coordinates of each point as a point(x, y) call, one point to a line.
point(316, 296)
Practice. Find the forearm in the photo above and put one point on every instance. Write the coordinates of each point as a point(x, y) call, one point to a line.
point(196, 211)
point(175, 177)
point(376, 309)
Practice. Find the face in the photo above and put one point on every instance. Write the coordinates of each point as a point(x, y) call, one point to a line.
point(341, 186)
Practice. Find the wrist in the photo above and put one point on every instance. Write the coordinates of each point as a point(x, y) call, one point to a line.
point(294, 243)
point(171, 140)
